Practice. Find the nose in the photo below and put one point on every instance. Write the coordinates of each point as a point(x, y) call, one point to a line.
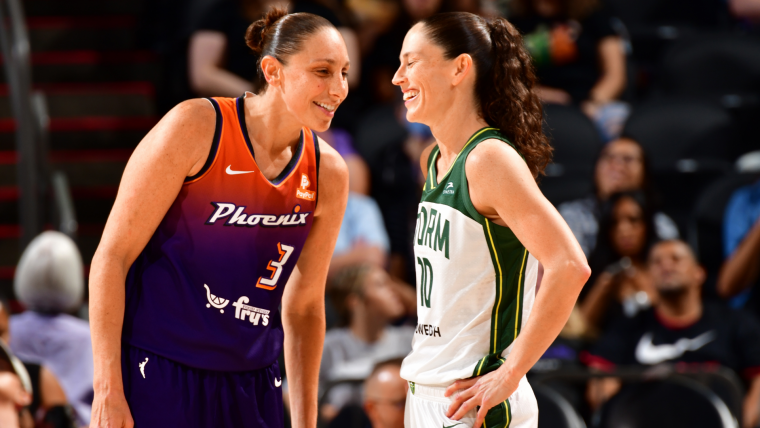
point(338, 87)
point(399, 76)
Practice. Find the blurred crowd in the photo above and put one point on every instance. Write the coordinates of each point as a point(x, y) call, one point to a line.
point(665, 207)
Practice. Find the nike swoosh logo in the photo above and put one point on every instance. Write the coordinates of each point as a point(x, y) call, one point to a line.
point(231, 172)
point(649, 353)
point(444, 426)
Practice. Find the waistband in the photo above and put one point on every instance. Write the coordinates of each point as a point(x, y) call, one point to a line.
point(436, 393)
point(431, 393)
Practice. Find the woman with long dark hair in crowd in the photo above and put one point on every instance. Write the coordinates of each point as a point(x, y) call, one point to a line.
point(224, 216)
point(621, 166)
point(482, 227)
point(620, 282)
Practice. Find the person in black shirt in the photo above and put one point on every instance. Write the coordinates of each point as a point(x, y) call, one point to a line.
point(682, 329)
point(579, 57)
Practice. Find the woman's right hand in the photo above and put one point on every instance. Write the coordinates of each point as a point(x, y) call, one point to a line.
point(110, 410)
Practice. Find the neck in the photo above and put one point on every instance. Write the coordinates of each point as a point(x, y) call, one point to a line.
point(271, 127)
point(367, 327)
point(455, 127)
point(681, 307)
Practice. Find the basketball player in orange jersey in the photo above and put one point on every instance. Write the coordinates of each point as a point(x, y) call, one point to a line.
point(227, 211)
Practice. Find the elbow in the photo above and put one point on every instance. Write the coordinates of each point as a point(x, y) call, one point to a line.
point(577, 273)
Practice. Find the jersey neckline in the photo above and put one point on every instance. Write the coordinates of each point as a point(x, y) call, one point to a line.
point(294, 160)
point(433, 171)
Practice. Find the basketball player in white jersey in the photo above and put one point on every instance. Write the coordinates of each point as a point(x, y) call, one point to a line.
point(482, 228)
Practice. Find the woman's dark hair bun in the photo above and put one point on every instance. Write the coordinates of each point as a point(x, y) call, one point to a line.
point(254, 36)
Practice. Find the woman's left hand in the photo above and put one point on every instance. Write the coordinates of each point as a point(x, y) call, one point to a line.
point(485, 391)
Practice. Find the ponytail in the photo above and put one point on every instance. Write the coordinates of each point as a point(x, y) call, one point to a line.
point(510, 102)
point(505, 79)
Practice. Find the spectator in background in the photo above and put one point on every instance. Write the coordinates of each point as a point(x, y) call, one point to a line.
point(620, 282)
point(49, 282)
point(621, 166)
point(385, 395)
point(362, 238)
point(366, 302)
point(741, 243)
point(681, 329)
point(48, 406)
point(579, 57)
point(220, 63)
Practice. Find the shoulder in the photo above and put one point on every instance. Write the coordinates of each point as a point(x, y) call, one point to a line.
point(191, 116)
point(496, 156)
point(333, 178)
point(331, 164)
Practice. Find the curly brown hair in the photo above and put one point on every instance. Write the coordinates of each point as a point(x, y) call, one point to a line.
point(505, 78)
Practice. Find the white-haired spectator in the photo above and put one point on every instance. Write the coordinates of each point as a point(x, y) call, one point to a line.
point(49, 281)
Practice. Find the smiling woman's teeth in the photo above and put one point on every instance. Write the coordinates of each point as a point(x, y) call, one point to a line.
point(325, 106)
point(409, 95)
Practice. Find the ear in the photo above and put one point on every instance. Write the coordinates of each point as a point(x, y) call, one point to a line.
point(272, 69)
point(700, 274)
point(462, 68)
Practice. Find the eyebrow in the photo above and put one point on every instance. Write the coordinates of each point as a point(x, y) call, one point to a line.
point(328, 60)
point(405, 54)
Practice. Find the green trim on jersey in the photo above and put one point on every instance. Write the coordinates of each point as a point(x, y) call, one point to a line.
point(508, 256)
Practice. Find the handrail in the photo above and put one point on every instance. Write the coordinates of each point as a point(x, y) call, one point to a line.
point(30, 111)
point(14, 43)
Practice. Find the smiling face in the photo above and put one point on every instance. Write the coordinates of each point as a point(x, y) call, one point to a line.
point(425, 77)
point(313, 82)
point(619, 168)
point(629, 231)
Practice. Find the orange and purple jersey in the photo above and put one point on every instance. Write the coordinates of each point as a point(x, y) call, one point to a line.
point(206, 290)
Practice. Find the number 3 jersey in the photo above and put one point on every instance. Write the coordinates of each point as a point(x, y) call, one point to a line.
point(476, 282)
point(206, 290)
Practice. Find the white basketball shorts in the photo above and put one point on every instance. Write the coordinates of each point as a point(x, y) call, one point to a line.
point(426, 408)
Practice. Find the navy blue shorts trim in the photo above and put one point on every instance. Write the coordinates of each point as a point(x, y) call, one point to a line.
point(162, 393)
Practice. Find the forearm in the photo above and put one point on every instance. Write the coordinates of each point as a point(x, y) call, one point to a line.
point(741, 269)
point(218, 82)
point(552, 308)
point(304, 337)
point(751, 406)
point(612, 81)
point(107, 300)
point(375, 256)
point(607, 88)
point(595, 305)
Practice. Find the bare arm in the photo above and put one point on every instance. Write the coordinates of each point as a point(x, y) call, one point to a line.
point(173, 149)
point(207, 77)
point(303, 304)
point(741, 269)
point(51, 391)
point(503, 190)
point(612, 61)
point(752, 404)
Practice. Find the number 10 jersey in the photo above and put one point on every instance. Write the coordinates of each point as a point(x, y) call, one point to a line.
point(476, 282)
point(206, 290)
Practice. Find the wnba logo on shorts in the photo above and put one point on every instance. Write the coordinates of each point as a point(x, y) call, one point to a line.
point(302, 193)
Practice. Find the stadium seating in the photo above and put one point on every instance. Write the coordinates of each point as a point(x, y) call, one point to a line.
point(723, 64)
point(554, 410)
point(689, 144)
point(576, 144)
point(661, 404)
